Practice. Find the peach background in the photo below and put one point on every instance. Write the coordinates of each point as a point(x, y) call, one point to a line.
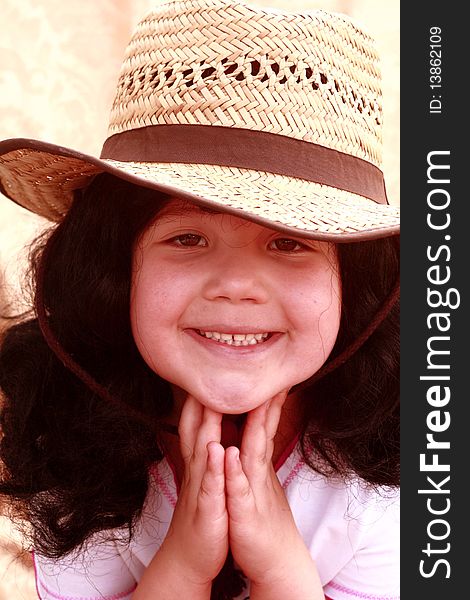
point(58, 67)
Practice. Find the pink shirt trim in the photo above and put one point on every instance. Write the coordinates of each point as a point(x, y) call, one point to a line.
point(38, 583)
point(36, 578)
point(293, 473)
point(342, 588)
point(163, 486)
point(287, 452)
point(114, 597)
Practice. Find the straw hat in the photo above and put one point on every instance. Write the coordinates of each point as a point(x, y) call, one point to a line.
point(272, 116)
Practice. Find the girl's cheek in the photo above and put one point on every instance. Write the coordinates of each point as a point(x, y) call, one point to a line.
point(319, 316)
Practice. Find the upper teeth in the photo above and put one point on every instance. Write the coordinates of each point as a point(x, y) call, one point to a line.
point(235, 339)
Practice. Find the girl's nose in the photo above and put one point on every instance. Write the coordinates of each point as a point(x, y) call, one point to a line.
point(237, 279)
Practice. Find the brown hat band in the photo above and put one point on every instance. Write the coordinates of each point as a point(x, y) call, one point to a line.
point(247, 149)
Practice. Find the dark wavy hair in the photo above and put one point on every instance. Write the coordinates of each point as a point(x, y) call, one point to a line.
point(54, 426)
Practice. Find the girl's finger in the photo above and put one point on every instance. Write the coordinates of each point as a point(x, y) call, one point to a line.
point(199, 425)
point(273, 416)
point(239, 496)
point(189, 425)
point(210, 430)
point(253, 451)
point(211, 497)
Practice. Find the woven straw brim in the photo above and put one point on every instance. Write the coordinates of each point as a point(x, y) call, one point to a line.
point(43, 182)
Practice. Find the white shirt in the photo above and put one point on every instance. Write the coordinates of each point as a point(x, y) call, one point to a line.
point(351, 530)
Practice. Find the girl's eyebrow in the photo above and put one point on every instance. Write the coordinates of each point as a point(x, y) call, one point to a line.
point(183, 209)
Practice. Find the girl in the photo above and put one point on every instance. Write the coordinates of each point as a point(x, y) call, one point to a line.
point(204, 403)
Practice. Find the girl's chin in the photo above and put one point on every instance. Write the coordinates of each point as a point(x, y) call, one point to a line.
point(234, 401)
point(232, 405)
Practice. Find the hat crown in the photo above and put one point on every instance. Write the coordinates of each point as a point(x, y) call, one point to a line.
point(268, 115)
point(311, 76)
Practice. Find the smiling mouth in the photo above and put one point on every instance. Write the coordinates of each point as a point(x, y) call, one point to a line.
point(235, 339)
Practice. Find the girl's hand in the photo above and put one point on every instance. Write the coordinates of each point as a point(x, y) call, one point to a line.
point(264, 538)
point(196, 545)
point(199, 529)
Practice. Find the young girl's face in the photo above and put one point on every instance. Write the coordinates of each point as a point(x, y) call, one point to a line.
point(230, 311)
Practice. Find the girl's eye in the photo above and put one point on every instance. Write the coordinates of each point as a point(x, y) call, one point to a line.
point(189, 240)
point(285, 245)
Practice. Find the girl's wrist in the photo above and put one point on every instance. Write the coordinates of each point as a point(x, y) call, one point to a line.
point(294, 580)
point(183, 571)
point(305, 586)
point(168, 584)
point(168, 577)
